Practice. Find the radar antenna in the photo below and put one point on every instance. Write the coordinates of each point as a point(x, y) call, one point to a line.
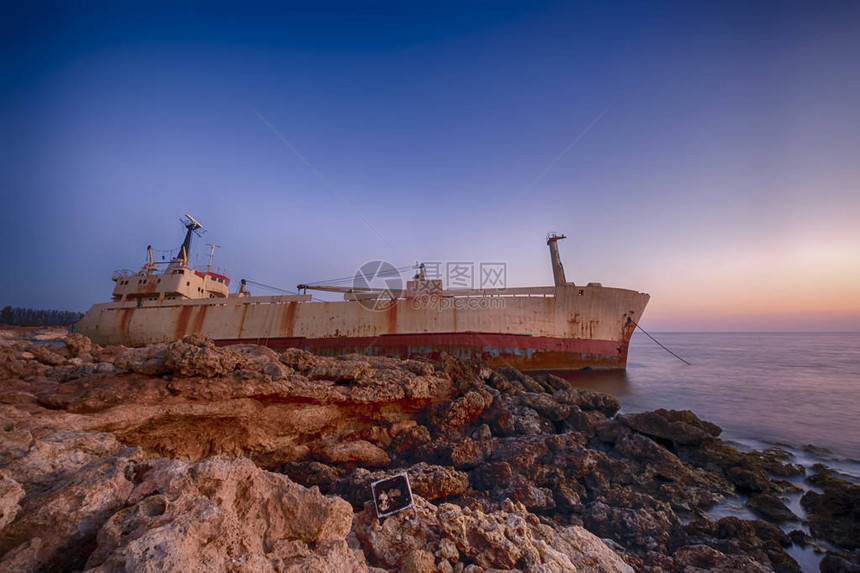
point(192, 226)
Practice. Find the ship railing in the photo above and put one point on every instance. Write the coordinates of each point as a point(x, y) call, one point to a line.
point(453, 293)
point(501, 292)
point(219, 301)
point(121, 274)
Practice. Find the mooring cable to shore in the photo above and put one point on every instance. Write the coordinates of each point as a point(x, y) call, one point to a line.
point(658, 342)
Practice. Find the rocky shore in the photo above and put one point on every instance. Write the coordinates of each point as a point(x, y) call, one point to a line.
point(189, 457)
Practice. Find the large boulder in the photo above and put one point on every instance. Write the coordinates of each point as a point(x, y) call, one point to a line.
point(196, 355)
point(223, 514)
point(676, 426)
point(589, 400)
point(57, 527)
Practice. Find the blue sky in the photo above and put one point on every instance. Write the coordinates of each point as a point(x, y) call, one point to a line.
point(714, 157)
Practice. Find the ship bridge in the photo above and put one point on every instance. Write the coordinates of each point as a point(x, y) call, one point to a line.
point(172, 280)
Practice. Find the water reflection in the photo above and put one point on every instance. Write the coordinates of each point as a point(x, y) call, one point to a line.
point(615, 382)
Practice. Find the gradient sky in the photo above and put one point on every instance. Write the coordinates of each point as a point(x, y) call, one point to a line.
point(706, 153)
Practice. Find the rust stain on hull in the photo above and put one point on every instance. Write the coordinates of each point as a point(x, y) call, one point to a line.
point(525, 353)
point(288, 319)
point(182, 322)
point(124, 321)
point(199, 320)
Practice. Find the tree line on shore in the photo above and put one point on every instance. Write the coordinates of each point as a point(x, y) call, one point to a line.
point(10, 316)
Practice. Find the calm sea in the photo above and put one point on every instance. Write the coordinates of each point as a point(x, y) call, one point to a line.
point(791, 389)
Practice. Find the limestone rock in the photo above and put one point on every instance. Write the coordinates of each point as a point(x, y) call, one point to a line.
point(508, 539)
point(355, 451)
point(196, 355)
point(148, 360)
point(11, 493)
point(78, 344)
point(222, 514)
point(65, 518)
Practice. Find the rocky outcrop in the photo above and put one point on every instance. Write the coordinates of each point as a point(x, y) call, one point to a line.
point(441, 538)
point(834, 514)
point(187, 456)
point(677, 427)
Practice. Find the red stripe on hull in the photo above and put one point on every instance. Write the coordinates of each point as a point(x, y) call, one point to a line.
point(526, 353)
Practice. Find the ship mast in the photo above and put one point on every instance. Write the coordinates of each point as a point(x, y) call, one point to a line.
point(557, 268)
point(191, 226)
point(211, 255)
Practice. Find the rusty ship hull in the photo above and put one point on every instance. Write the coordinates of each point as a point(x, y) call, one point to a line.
point(559, 328)
point(556, 328)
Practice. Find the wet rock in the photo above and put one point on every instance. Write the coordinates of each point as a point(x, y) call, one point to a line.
point(551, 383)
point(777, 461)
point(799, 538)
point(587, 400)
point(656, 460)
point(771, 508)
point(678, 427)
point(545, 406)
point(834, 514)
point(757, 539)
point(699, 558)
point(843, 562)
point(511, 381)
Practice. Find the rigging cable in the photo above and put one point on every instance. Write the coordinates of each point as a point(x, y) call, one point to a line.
point(250, 282)
point(385, 273)
point(658, 342)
